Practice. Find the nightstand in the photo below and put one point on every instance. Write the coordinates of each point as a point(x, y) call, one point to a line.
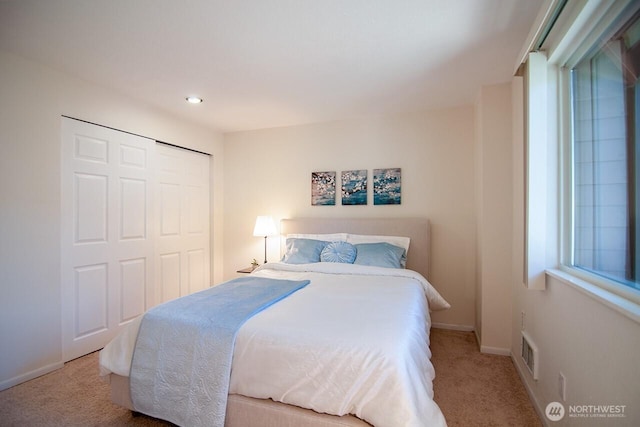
point(246, 270)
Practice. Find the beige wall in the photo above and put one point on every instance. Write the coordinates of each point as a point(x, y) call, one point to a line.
point(269, 172)
point(594, 346)
point(33, 99)
point(479, 207)
point(494, 176)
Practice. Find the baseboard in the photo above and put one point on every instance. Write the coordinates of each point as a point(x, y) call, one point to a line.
point(495, 350)
point(30, 375)
point(490, 350)
point(451, 327)
point(532, 397)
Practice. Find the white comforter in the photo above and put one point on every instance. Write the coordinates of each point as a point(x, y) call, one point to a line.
point(354, 341)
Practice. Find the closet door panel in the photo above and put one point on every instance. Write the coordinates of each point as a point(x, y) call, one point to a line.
point(133, 284)
point(90, 289)
point(106, 250)
point(90, 207)
point(182, 245)
point(133, 209)
point(196, 264)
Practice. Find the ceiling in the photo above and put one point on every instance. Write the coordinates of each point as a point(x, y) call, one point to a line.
point(272, 63)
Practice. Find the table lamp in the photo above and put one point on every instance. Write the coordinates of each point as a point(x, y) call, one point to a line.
point(265, 227)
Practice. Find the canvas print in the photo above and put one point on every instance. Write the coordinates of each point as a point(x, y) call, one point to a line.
point(323, 188)
point(354, 187)
point(387, 186)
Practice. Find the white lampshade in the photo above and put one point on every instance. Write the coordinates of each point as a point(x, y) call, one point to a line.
point(265, 226)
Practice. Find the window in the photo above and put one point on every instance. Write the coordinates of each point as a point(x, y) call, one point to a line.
point(605, 122)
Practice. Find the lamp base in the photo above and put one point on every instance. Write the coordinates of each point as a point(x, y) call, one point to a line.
point(265, 249)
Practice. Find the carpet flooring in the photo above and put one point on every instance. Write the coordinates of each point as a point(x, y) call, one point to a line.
point(471, 388)
point(476, 389)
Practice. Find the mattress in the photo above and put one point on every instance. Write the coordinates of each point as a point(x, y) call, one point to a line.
point(354, 342)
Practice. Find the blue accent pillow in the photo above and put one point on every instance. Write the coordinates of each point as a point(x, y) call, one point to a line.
point(379, 255)
point(338, 252)
point(303, 251)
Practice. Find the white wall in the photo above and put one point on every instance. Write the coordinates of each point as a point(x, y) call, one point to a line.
point(269, 172)
point(32, 102)
point(494, 219)
point(594, 346)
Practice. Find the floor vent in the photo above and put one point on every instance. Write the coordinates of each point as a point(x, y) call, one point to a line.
point(529, 354)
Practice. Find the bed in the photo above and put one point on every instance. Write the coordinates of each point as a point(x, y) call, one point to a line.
point(349, 349)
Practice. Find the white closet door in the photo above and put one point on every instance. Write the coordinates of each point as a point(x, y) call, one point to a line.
point(135, 230)
point(107, 245)
point(182, 207)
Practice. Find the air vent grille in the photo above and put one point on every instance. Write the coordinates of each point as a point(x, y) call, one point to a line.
point(529, 354)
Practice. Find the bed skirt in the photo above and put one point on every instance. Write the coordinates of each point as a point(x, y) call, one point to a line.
point(245, 411)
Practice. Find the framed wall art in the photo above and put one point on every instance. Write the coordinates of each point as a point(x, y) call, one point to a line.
point(354, 187)
point(323, 188)
point(387, 186)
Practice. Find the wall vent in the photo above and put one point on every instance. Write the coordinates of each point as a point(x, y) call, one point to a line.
point(529, 353)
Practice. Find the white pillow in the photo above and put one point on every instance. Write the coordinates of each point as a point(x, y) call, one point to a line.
point(400, 241)
point(335, 237)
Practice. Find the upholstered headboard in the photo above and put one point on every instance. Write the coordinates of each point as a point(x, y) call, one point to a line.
point(417, 229)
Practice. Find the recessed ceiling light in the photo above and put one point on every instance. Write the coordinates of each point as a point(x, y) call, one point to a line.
point(194, 99)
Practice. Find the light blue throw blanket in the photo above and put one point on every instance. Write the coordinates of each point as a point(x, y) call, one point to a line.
point(181, 364)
